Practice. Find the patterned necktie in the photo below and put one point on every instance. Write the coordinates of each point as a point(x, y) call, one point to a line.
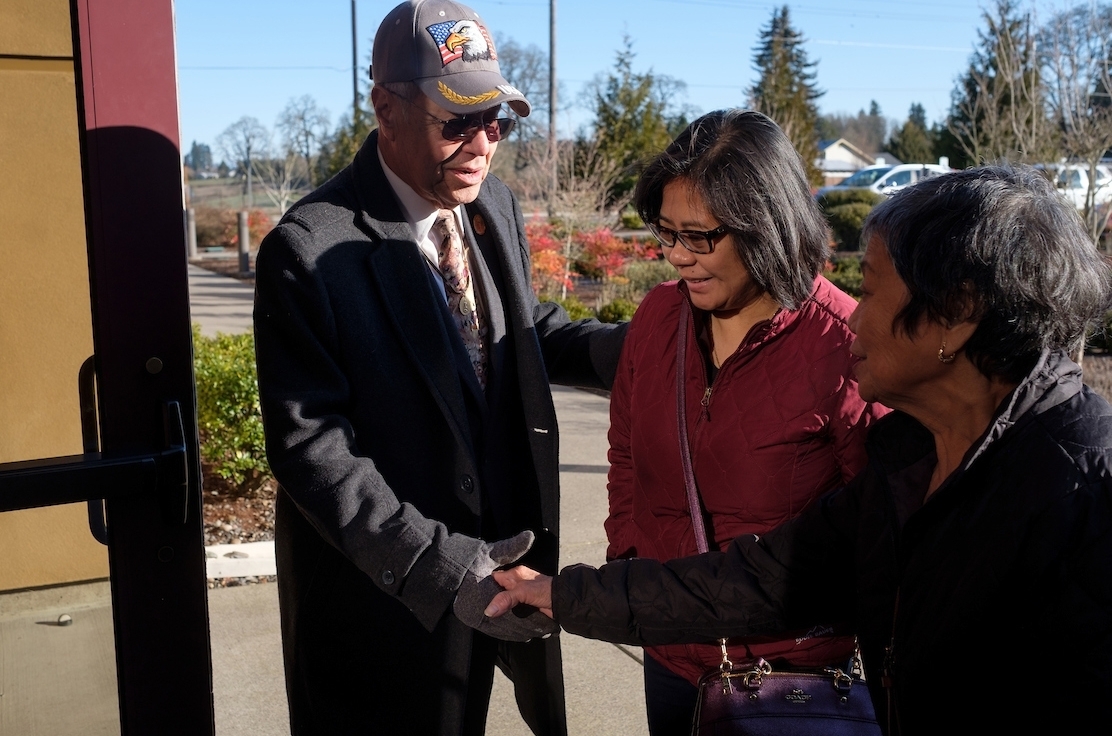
point(457, 279)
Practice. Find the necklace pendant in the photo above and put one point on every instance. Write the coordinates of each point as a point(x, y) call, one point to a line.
point(465, 306)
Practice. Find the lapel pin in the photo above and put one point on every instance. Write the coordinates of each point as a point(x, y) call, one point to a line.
point(479, 224)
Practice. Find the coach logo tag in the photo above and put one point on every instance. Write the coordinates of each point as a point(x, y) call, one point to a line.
point(479, 224)
point(797, 696)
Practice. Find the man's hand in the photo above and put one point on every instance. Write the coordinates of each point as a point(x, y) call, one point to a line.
point(478, 588)
point(522, 586)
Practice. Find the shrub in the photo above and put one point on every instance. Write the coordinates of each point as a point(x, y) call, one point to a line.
point(575, 308)
point(259, 224)
point(836, 198)
point(845, 211)
point(844, 271)
point(644, 274)
point(228, 418)
point(631, 220)
point(619, 310)
point(604, 254)
point(215, 227)
point(219, 228)
point(846, 221)
point(548, 263)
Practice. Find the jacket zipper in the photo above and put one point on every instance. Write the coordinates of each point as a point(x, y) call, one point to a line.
point(887, 673)
point(705, 401)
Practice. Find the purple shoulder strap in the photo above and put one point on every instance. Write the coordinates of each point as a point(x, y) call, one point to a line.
point(693, 505)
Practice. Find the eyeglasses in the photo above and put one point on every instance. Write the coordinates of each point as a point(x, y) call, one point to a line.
point(465, 127)
point(696, 241)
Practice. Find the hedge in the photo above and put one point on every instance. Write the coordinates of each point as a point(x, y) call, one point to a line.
point(228, 418)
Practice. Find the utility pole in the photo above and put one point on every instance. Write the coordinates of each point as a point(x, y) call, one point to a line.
point(553, 149)
point(354, 68)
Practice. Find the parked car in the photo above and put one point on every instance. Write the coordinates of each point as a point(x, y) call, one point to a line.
point(886, 179)
point(1072, 181)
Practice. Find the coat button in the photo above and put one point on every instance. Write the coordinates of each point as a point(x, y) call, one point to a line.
point(466, 484)
point(388, 578)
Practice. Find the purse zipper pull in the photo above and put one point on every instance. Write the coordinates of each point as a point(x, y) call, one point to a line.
point(724, 669)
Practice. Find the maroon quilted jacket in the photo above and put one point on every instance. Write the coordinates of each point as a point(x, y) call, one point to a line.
point(781, 424)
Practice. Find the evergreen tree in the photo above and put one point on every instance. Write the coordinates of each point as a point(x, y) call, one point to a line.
point(913, 142)
point(947, 145)
point(199, 157)
point(635, 115)
point(339, 149)
point(785, 89)
point(998, 107)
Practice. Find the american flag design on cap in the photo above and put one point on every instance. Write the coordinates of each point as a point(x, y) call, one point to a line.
point(462, 39)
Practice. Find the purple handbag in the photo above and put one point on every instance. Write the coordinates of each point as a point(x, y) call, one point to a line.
point(758, 701)
point(755, 699)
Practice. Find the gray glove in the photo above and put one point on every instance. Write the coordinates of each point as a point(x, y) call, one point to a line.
point(479, 588)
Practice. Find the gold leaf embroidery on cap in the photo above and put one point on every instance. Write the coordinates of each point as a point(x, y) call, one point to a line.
point(459, 99)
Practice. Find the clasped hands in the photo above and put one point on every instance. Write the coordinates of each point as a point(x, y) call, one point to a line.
point(487, 594)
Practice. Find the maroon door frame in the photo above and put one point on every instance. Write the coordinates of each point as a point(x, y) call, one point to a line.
point(144, 357)
point(142, 455)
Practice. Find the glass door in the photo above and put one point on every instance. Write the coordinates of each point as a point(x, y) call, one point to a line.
point(103, 620)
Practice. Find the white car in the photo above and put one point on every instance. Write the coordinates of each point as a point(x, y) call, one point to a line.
point(1072, 181)
point(887, 179)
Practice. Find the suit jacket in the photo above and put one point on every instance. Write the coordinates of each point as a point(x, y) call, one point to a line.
point(393, 463)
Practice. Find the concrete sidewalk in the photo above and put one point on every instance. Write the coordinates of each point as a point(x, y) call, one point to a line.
point(603, 681)
point(219, 303)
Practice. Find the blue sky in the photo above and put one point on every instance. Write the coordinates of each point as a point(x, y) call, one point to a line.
point(250, 57)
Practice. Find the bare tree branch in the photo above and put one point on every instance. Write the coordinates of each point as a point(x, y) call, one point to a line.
point(303, 125)
point(242, 142)
point(1076, 56)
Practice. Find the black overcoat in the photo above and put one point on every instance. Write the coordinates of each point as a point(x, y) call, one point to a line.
point(392, 462)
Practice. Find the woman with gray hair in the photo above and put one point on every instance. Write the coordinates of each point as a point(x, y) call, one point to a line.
point(973, 554)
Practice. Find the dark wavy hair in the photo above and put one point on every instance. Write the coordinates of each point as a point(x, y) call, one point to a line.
point(752, 180)
point(999, 245)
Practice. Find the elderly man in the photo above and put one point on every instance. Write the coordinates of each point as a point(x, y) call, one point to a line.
point(404, 366)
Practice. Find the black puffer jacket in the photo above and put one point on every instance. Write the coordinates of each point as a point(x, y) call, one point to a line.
point(1004, 577)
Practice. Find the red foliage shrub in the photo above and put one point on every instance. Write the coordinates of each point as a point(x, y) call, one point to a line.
point(218, 227)
point(550, 272)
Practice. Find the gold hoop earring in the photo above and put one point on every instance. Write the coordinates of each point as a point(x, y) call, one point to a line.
point(943, 357)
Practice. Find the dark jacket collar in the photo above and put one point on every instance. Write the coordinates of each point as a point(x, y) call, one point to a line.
point(379, 206)
point(898, 440)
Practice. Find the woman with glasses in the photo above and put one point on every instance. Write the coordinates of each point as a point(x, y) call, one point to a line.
point(773, 417)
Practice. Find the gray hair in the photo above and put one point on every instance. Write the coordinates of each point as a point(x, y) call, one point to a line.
point(999, 245)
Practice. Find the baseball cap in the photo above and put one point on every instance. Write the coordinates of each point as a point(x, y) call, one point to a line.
point(447, 51)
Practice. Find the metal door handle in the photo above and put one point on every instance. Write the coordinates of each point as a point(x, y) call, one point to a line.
point(97, 475)
point(90, 440)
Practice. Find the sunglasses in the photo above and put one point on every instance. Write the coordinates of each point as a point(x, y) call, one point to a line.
point(465, 127)
point(696, 241)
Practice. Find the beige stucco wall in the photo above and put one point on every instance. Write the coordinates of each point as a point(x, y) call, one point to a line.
point(45, 319)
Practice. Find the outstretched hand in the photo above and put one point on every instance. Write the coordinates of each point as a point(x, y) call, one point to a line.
point(478, 588)
point(522, 585)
